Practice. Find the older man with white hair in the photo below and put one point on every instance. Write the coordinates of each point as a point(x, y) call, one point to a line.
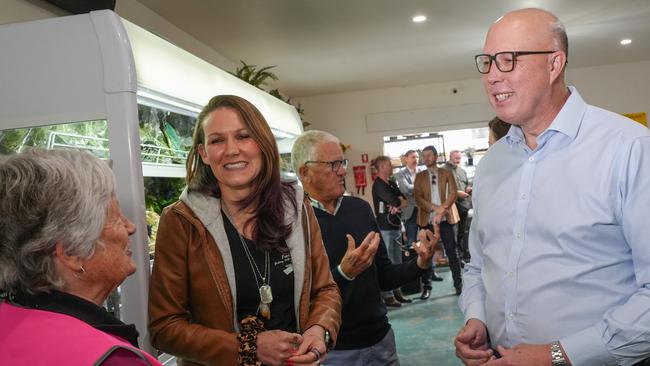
point(361, 271)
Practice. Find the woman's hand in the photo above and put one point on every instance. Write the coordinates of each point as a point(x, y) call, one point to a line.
point(312, 349)
point(274, 347)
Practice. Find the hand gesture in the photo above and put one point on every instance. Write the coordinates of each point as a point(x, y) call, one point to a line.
point(472, 343)
point(357, 260)
point(438, 217)
point(393, 210)
point(274, 347)
point(425, 246)
point(312, 349)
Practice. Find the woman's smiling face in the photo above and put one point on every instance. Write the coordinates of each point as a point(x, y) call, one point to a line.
point(230, 151)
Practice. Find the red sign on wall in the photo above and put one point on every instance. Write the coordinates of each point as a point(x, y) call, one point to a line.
point(364, 158)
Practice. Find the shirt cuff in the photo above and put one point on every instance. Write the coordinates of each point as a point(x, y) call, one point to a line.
point(338, 268)
point(475, 310)
point(587, 348)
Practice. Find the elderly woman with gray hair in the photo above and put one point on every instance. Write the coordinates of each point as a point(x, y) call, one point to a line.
point(64, 247)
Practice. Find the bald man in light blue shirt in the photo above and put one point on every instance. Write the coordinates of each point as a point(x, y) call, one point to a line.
point(560, 238)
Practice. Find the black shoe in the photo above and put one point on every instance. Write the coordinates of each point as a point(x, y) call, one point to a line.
point(459, 290)
point(391, 301)
point(426, 293)
point(402, 299)
point(436, 278)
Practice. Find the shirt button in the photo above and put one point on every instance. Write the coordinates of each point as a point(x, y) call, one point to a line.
point(511, 274)
point(523, 196)
point(517, 235)
point(511, 316)
point(531, 159)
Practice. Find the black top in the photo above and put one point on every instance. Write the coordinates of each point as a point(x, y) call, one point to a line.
point(364, 313)
point(389, 194)
point(283, 316)
point(86, 311)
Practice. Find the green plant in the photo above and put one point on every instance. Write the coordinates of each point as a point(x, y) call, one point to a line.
point(257, 78)
point(253, 76)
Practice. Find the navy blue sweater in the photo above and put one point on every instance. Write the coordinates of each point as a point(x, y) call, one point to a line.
point(364, 313)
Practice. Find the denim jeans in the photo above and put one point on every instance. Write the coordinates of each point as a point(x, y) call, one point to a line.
point(383, 353)
point(393, 241)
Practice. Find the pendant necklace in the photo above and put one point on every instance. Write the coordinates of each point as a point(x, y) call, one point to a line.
point(266, 295)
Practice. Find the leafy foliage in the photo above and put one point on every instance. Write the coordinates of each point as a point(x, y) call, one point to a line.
point(253, 76)
point(258, 78)
point(87, 135)
point(162, 192)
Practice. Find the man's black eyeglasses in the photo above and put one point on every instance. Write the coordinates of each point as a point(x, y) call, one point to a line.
point(334, 164)
point(505, 61)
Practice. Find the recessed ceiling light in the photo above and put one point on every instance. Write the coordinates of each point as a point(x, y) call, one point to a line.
point(626, 41)
point(419, 18)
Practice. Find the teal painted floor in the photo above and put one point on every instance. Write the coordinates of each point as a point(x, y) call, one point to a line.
point(425, 329)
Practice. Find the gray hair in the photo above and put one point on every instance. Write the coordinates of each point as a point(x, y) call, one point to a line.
point(49, 197)
point(452, 152)
point(303, 148)
point(559, 36)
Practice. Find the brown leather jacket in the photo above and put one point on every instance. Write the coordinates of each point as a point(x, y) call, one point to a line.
point(422, 193)
point(192, 289)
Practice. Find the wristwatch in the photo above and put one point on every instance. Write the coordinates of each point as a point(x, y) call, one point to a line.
point(557, 356)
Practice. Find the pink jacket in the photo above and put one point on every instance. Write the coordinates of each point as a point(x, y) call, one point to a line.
point(36, 337)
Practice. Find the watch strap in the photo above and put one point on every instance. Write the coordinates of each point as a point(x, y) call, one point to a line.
point(557, 356)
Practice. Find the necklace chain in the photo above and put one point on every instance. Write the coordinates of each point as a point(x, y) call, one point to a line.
point(266, 295)
point(266, 278)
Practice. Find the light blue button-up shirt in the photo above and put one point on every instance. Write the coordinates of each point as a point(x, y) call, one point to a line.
point(560, 238)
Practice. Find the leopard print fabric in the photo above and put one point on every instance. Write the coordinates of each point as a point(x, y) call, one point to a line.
point(250, 327)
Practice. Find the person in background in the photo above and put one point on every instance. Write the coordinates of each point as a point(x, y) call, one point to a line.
point(559, 239)
point(64, 248)
point(463, 200)
point(388, 203)
point(498, 129)
point(240, 274)
point(435, 193)
point(405, 181)
point(360, 270)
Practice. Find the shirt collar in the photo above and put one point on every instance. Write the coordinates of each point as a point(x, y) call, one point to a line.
point(412, 172)
point(317, 204)
point(567, 121)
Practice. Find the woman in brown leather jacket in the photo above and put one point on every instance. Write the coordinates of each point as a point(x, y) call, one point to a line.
point(240, 273)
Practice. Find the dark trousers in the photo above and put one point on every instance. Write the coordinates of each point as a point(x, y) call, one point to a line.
point(462, 232)
point(449, 242)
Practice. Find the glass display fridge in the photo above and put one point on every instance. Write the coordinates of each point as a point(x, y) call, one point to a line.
point(99, 83)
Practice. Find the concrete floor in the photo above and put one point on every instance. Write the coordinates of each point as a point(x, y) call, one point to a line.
point(425, 329)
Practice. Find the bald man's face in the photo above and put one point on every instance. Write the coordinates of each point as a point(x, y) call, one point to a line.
point(521, 95)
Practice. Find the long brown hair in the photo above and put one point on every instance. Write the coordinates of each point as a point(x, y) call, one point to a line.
point(269, 194)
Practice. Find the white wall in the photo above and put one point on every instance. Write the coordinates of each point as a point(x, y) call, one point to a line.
point(622, 88)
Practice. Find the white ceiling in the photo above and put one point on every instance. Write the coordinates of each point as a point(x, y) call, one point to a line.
point(329, 46)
